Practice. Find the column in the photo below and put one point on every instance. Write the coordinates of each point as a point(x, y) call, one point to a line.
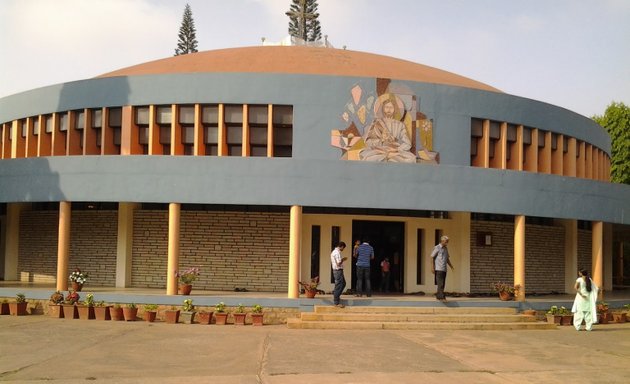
point(519, 255)
point(174, 212)
point(597, 255)
point(12, 240)
point(124, 244)
point(295, 228)
point(63, 247)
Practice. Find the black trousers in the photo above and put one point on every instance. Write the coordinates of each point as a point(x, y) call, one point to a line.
point(440, 280)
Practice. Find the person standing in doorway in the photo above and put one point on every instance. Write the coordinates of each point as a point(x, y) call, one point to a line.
point(365, 254)
point(584, 305)
point(337, 266)
point(385, 273)
point(438, 267)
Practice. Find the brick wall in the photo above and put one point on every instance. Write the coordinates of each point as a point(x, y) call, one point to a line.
point(544, 257)
point(232, 249)
point(92, 246)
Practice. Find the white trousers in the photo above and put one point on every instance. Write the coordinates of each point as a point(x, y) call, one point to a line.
point(583, 315)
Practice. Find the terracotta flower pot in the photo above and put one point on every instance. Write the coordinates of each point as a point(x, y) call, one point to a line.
point(130, 314)
point(4, 309)
point(116, 313)
point(310, 293)
point(239, 318)
point(85, 312)
point(102, 313)
point(619, 317)
point(76, 286)
point(185, 289)
point(55, 310)
point(70, 311)
point(204, 318)
point(149, 316)
point(567, 319)
point(171, 316)
point(257, 319)
point(506, 296)
point(220, 318)
point(18, 309)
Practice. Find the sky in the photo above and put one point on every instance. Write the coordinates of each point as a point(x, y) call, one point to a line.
point(571, 53)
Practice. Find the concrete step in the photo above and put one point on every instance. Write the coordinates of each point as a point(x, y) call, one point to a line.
point(428, 318)
point(416, 318)
point(295, 323)
point(415, 310)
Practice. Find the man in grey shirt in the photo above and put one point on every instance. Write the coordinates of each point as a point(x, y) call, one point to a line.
point(438, 267)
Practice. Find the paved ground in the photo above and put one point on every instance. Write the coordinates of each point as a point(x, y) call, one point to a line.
point(35, 348)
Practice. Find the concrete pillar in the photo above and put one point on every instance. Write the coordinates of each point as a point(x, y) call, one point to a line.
point(519, 256)
point(174, 213)
point(12, 240)
point(295, 229)
point(124, 244)
point(607, 260)
point(598, 256)
point(63, 245)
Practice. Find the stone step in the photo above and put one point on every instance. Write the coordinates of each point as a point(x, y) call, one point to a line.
point(415, 310)
point(295, 323)
point(419, 318)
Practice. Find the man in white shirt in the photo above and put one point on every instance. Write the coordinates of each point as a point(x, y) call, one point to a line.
point(337, 266)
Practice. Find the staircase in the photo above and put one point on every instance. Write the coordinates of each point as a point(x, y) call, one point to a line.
point(416, 318)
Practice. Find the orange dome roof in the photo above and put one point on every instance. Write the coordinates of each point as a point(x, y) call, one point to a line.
point(300, 60)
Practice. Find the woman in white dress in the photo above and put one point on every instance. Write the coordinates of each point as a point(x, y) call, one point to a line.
point(584, 305)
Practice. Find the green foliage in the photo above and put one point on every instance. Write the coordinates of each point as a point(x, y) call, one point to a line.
point(616, 121)
point(257, 308)
point(131, 305)
point(150, 307)
point(240, 308)
point(20, 298)
point(89, 300)
point(220, 307)
point(188, 305)
point(303, 20)
point(187, 42)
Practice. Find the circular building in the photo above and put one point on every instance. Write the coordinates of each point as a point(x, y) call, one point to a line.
point(253, 163)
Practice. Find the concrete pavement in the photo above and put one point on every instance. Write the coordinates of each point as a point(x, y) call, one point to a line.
point(38, 348)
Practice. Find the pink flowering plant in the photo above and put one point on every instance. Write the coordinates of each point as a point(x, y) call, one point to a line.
point(188, 276)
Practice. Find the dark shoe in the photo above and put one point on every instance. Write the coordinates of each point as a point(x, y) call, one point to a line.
point(340, 306)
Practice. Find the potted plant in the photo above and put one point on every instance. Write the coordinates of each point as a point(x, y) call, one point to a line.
point(18, 308)
point(257, 315)
point(186, 278)
point(150, 312)
point(54, 307)
point(567, 316)
point(86, 309)
point(77, 279)
point(554, 316)
point(101, 311)
point(171, 316)
point(619, 317)
point(310, 288)
point(506, 291)
point(204, 317)
point(130, 312)
point(220, 315)
point(69, 305)
point(116, 313)
point(4, 307)
point(602, 312)
point(188, 312)
point(239, 315)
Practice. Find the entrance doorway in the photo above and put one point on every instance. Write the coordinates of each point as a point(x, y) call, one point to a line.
point(388, 240)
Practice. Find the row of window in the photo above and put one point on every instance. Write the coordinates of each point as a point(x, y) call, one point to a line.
point(505, 145)
point(201, 130)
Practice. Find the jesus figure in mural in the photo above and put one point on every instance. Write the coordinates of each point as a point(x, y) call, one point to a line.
point(386, 139)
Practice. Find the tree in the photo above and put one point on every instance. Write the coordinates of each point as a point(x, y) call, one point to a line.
point(303, 21)
point(616, 120)
point(187, 42)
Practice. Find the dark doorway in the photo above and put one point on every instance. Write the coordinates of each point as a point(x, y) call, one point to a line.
point(388, 240)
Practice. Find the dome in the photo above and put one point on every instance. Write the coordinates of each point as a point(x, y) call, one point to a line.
point(300, 60)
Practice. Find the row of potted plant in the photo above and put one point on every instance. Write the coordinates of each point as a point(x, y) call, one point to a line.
point(563, 316)
point(18, 307)
point(70, 307)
